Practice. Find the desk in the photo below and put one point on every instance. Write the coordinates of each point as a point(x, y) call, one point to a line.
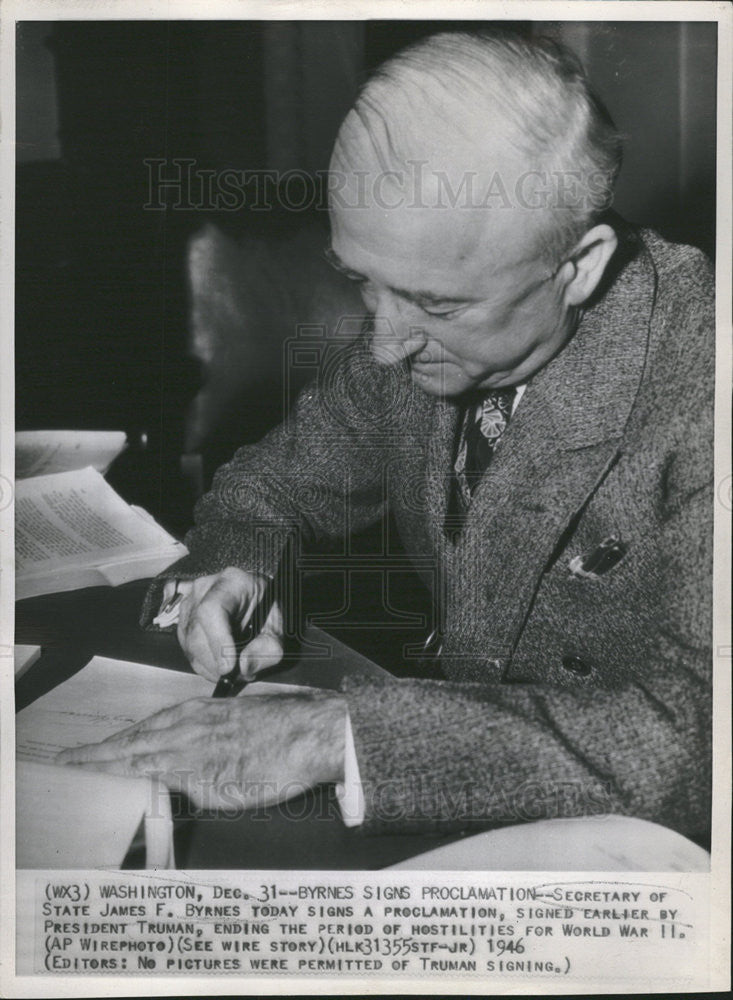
point(304, 833)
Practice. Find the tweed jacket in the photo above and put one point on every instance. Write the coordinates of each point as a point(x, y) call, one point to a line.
point(566, 693)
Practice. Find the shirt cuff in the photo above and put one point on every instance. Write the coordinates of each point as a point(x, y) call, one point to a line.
point(349, 793)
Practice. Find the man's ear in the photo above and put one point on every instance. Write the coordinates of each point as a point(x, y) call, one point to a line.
point(587, 263)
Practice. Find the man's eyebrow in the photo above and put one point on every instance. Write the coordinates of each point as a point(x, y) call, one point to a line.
point(415, 296)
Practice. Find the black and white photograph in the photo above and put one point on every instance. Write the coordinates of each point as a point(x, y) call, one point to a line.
point(366, 497)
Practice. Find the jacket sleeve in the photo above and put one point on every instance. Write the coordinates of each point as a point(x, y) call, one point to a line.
point(316, 476)
point(440, 755)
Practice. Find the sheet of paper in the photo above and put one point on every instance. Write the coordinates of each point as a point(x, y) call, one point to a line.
point(77, 519)
point(67, 817)
point(104, 697)
point(581, 844)
point(24, 656)
point(70, 818)
point(39, 453)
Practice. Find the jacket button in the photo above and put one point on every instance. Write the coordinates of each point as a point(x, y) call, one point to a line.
point(576, 665)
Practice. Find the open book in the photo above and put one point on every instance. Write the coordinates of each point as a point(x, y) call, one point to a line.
point(73, 530)
point(39, 453)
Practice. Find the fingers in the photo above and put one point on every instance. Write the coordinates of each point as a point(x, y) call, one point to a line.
point(145, 765)
point(132, 765)
point(166, 718)
point(173, 591)
point(159, 731)
point(209, 642)
point(120, 747)
point(173, 587)
point(233, 752)
point(208, 613)
point(266, 649)
point(211, 616)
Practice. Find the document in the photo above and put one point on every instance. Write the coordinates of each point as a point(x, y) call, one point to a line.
point(104, 697)
point(67, 817)
point(39, 453)
point(73, 530)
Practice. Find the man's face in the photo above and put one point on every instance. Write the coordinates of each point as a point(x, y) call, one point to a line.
point(462, 295)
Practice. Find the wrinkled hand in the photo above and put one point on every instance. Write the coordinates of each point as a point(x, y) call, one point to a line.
point(213, 611)
point(234, 753)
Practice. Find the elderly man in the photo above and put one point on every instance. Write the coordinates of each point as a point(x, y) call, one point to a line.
point(532, 400)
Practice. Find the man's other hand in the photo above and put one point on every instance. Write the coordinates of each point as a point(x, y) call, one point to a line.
point(214, 611)
point(233, 753)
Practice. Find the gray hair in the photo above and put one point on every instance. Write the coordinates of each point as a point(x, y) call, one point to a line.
point(538, 92)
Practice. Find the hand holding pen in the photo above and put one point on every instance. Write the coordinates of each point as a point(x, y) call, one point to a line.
point(232, 683)
point(229, 625)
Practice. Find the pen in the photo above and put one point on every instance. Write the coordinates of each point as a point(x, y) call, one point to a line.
point(232, 683)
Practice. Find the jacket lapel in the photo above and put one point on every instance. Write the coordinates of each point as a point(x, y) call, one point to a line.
point(560, 442)
point(443, 429)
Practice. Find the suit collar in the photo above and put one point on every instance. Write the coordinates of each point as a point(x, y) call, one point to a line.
point(585, 394)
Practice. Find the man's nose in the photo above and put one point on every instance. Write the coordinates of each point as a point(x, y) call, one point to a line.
point(396, 336)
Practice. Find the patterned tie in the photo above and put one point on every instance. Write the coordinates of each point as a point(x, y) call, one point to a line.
point(481, 429)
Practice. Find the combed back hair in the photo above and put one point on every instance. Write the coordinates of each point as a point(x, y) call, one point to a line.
point(532, 93)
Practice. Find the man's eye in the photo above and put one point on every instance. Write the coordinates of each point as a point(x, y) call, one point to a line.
point(442, 313)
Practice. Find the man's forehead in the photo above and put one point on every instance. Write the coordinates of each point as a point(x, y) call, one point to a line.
point(377, 216)
point(446, 253)
point(470, 189)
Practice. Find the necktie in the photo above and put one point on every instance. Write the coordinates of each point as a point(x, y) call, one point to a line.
point(481, 430)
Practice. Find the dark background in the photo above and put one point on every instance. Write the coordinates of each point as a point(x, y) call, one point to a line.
point(101, 299)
